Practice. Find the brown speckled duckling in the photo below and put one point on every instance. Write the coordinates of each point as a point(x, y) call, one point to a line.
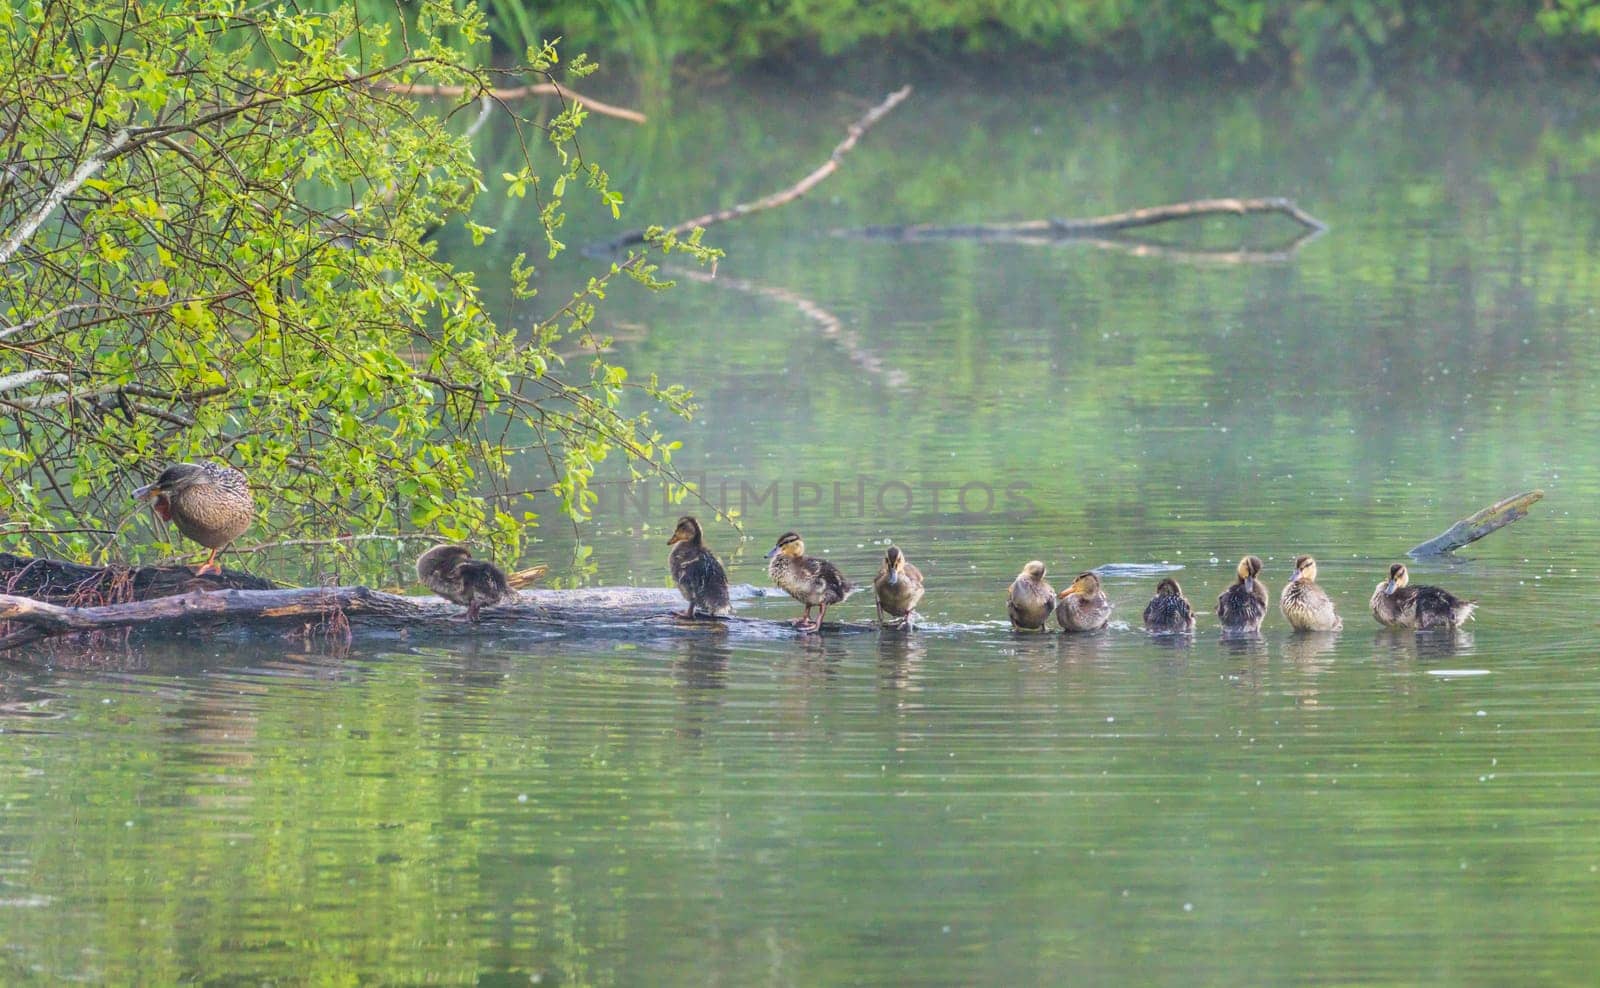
point(698, 574)
point(1083, 606)
point(1397, 604)
point(813, 582)
point(1305, 604)
point(1169, 611)
point(898, 587)
point(210, 503)
point(1030, 599)
point(1242, 606)
point(452, 573)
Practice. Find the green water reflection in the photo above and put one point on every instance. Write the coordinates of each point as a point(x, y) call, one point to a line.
point(963, 806)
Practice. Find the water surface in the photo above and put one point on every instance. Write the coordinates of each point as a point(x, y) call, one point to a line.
point(963, 805)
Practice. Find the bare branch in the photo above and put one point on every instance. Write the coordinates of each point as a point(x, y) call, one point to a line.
point(85, 171)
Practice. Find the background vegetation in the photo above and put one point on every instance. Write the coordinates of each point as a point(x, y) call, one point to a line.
point(652, 36)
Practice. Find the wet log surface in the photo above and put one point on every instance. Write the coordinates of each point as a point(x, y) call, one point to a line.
point(1475, 526)
point(607, 613)
point(57, 582)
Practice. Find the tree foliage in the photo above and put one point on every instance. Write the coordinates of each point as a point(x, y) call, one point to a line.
point(215, 227)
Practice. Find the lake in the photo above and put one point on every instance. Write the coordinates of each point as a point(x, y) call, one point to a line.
point(962, 805)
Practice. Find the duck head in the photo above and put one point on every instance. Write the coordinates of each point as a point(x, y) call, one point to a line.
point(1398, 577)
point(1087, 584)
point(895, 562)
point(1305, 568)
point(789, 544)
point(1249, 569)
point(688, 530)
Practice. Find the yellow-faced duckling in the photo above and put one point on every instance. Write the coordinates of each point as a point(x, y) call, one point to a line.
point(210, 503)
point(813, 582)
point(1030, 599)
point(699, 576)
point(1307, 606)
point(898, 587)
point(1169, 611)
point(1397, 604)
point(452, 573)
point(1242, 606)
point(1083, 606)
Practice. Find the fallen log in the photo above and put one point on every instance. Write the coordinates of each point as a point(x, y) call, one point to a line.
point(57, 582)
point(782, 196)
point(619, 613)
point(1072, 229)
point(1475, 526)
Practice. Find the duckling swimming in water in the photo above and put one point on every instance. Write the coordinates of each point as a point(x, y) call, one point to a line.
point(898, 588)
point(452, 573)
point(813, 582)
point(1169, 611)
point(1083, 606)
point(1030, 599)
point(1396, 604)
point(697, 573)
point(210, 503)
point(1242, 606)
point(1307, 606)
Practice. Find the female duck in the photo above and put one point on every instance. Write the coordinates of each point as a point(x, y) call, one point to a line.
point(210, 503)
point(452, 573)
point(1396, 604)
point(1306, 605)
point(697, 573)
point(1242, 606)
point(898, 588)
point(1030, 599)
point(1169, 611)
point(1083, 606)
point(813, 582)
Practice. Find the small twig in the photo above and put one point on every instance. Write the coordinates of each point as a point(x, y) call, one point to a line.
point(515, 92)
point(336, 540)
point(782, 196)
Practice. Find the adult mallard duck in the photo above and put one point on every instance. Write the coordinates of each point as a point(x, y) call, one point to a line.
point(898, 587)
point(1242, 606)
point(1169, 611)
point(1397, 604)
point(698, 574)
point(813, 582)
point(1030, 599)
point(452, 573)
point(1083, 606)
point(1306, 605)
point(210, 503)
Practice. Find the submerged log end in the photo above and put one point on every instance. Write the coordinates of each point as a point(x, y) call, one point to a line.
point(1475, 526)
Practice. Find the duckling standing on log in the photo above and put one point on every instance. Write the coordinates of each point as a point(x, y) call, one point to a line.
point(1083, 606)
point(1307, 606)
point(898, 588)
point(1169, 611)
point(1242, 606)
point(813, 582)
point(698, 574)
point(210, 503)
point(1397, 604)
point(452, 573)
point(1030, 599)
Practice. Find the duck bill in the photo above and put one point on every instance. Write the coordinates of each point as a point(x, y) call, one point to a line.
point(1250, 583)
point(894, 577)
point(148, 491)
point(677, 537)
point(1388, 588)
point(771, 552)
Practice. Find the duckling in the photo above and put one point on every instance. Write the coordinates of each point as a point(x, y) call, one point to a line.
point(1169, 611)
point(898, 588)
point(1030, 599)
point(210, 503)
point(1083, 606)
point(1307, 606)
point(698, 574)
point(813, 582)
point(1396, 604)
point(1242, 606)
point(452, 573)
